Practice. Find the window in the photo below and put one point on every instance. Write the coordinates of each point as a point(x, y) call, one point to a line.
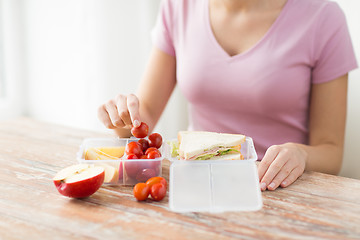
point(11, 60)
point(2, 80)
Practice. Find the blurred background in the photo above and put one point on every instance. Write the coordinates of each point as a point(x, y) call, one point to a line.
point(59, 60)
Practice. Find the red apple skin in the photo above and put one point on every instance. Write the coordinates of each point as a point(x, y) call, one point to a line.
point(81, 189)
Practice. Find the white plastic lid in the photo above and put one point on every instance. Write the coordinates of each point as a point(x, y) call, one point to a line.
point(214, 186)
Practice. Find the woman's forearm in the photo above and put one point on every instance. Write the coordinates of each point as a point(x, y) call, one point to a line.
point(325, 158)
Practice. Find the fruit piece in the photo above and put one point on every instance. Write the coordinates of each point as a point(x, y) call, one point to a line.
point(131, 156)
point(134, 148)
point(99, 154)
point(133, 167)
point(150, 149)
point(153, 155)
point(117, 152)
point(144, 144)
point(158, 191)
point(79, 181)
point(141, 191)
point(140, 131)
point(155, 165)
point(144, 174)
point(111, 173)
point(154, 180)
point(155, 140)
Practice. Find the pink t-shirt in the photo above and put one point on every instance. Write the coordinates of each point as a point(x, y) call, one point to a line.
point(263, 92)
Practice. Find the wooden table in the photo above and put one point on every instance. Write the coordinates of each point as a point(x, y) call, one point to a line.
point(317, 206)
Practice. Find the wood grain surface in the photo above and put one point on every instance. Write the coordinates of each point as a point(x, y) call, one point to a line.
point(317, 206)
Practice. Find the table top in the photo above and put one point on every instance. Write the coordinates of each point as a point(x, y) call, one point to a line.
point(317, 206)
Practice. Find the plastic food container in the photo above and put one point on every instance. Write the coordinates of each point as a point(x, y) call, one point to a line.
point(121, 171)
point(215, 185)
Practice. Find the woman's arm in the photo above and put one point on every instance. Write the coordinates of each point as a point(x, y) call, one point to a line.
point(327, 126)
point(155, 89)
point(283, 164)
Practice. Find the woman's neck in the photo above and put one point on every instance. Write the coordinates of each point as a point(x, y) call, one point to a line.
point(236, 6)
point(239, 5)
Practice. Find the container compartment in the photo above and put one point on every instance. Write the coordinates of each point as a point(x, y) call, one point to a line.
point(120, 171)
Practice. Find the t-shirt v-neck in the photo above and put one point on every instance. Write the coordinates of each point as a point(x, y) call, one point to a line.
point(216, 43)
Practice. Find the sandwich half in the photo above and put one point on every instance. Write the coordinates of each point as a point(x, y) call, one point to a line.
point(201, 145)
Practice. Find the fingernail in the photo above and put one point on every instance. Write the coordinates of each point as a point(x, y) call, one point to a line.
point(284, 183)
point(263, 186)
point(136, 123)
point(272, 185)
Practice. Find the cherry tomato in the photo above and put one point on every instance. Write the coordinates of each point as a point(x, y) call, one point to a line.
point(144, 144)
point(143, 157)
point(155, 140)
point(153, 154)
point(140, 131)
point(150, 149)
point(132, 167)
point(131, 156)
point(155, 165)
point(158, 191)
point(134, 148)
point(141, 191)
point(145, 174)
point(154, 180)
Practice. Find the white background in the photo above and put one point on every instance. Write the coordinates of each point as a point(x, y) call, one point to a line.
point(64, 58)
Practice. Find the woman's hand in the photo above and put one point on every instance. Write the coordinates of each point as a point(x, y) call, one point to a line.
point(154, 91)
point(120, 112)
point(281, 166)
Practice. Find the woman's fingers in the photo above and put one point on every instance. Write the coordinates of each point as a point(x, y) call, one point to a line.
point(268, 158)
point(295, 174)
point(274, 168)
point(121, 112)
point(281, 166)
point(113, 114)
point(133, 107)
point(104, 117)
point(282, 175)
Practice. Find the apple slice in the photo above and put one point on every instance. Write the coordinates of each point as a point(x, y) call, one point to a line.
point(104, 153)
point(79, 181)
point(117, 152)
point(111, 173)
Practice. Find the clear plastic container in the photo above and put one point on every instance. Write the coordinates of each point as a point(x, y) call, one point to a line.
point(121, 171)
point(215, 185)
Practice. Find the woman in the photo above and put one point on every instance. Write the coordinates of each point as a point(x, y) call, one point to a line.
point(274, 70)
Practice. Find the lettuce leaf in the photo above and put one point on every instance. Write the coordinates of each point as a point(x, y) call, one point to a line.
point(206, 156)
point(218, 153)
point(223, 152)
point(174, 145)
